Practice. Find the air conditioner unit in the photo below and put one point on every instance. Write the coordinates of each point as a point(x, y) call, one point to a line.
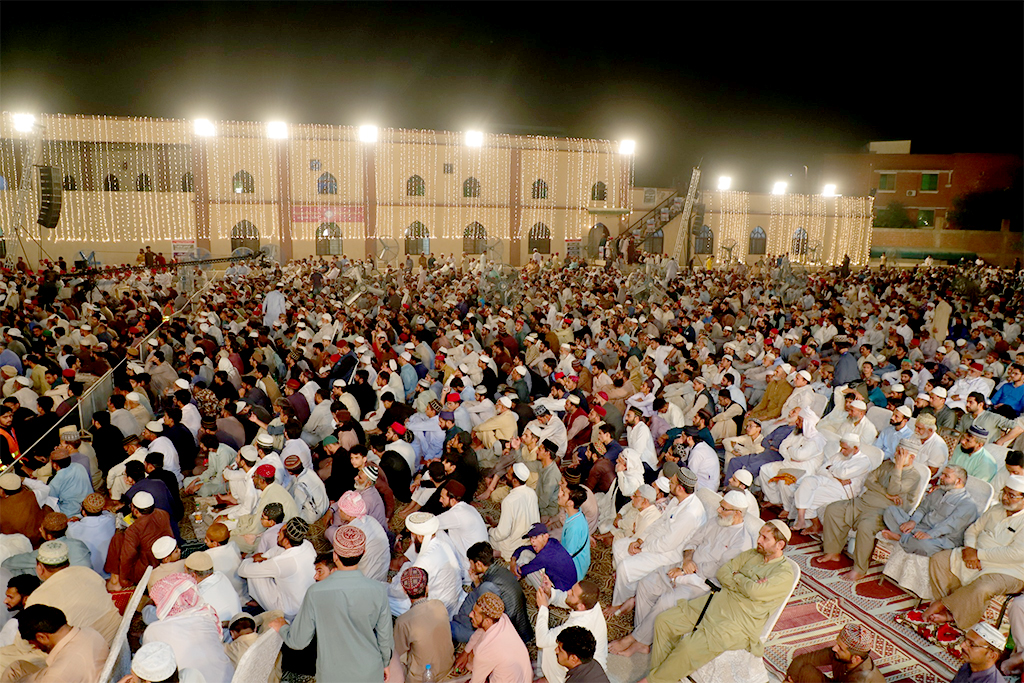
point(911, 193)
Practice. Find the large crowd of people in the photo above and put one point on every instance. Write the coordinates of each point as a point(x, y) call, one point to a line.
point(387, 465)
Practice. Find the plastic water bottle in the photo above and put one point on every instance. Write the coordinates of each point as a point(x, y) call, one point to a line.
point(428, 675)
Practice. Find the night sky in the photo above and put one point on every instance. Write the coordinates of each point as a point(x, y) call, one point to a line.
point(756, 90)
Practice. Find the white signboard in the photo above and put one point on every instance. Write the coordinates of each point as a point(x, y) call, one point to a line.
point(183, 250)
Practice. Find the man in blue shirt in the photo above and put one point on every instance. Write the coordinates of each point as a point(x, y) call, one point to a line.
point(899, 428)
point(544, 554)
point(982, 647)
point(575, 532)
point(1011, 393)
point(70, 483)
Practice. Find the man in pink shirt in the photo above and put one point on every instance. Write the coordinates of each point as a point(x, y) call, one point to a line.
point(495, 652)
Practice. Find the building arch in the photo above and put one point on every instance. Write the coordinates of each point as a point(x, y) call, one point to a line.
point(474, 239)
point(799, 245)
point(758, 243)
point(243, 183)
point(599, 192)
point(245, 234)
point(415, 186)
point(471, 187)
point(329, 240)
point(417, 239)
point(705, 242)
point(111, 183)
point(540, 239)
point(327, 184)
point(540, 189)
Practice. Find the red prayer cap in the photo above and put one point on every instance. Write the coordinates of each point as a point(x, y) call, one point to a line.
point(453, 397)
point(603, 395)
point(266, 471)
point(398, 427)
point(294, 384)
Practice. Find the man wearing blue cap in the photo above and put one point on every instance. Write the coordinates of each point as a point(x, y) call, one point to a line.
point(544, 555)
point(970, 454)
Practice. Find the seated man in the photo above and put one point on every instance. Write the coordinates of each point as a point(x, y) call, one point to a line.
point(544, 555)
point(715, 543)
point(841, 478)
point(754, 584)
point(131, 551)
point(421, 634)
point(490, 576)
point(751, 442)
point(495, 651)
point(278, 579)
point(664, 542)
point(635, 516)
point(214, 587)
point(802, 451)
point(849, 659)
point(74, 655)
point(853, 421)
point(574, 650)
point(520, 510)
point(982, 647)
point(893, 483)
point(434, 552)
point(584, 611)
point(972, 455)
point(939, 522)
point(53, 528)
point(990, 563)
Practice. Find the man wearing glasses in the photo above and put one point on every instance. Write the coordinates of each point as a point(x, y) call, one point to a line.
point(981, 648)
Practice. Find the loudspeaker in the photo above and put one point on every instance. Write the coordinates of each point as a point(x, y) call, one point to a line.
point(50, 196)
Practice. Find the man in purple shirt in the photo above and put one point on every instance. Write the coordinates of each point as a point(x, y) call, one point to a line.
point(544, 554)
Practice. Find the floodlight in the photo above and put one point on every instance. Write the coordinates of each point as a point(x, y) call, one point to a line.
point(23, 122)
point(780, 188)
point(627, 147)
point(368, 133)
point(829, 191)
point(204, 127)
point(724, 182)
point(277, 130)
point(474, 138)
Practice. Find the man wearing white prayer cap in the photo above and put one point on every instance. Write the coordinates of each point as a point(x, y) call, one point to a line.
point(982, 647)
point(155, 663)
point(131, 551)
point(520, 510)
point(850, 419)
point(841, 477)
point(432, 551)
point(503, 426)
point(717, 541)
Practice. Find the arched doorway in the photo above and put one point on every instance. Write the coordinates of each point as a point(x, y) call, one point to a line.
point(245, 234)
point(474, 239)
point(540, 239)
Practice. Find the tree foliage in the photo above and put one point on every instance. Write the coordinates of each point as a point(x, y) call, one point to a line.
point(893, 216)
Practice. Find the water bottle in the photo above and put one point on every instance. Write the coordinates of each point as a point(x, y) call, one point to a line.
point(428, 675)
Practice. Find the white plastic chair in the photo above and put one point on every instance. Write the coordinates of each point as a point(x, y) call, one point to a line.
point(260, 659)
point(981, 492)
point(119, 661)
point(998, 453)
point(739, 666)
point(818, 403)
point(879, 417)
point(710, 500)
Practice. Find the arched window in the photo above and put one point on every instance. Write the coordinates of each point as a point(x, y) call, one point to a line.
point(415, 187)
point(111, 183)
point(326, 184)
point(471, 188)
point(799, 242)
point(540, 189)
point(474, 239)
point(705, 242)
point(328, 240)
point(599, 192)
point(69, 183)
point(655, 242)
point(417, 239)
point(143, 183)
point(758, 241)
point(3, 183)
point(540, 239)
point(188, 183)
point(243, 183)
point(245, 234)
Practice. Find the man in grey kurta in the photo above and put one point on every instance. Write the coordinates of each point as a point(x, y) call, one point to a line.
point(350, 616)
point(940, 520)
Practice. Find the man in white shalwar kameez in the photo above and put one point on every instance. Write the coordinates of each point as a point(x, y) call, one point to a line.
point(432, 551)
point(803, 450)
point(841, 478)
point(520, 510)
point(273, 306)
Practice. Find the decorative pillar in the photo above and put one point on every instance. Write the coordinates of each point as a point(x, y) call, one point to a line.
point(201, 190)
point(370, 199)
point(284, 200)
point(515, 209)
point(163, 169)
point(88, 178)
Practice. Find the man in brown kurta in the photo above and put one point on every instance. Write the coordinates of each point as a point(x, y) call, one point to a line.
point(131, 550)
point(422, 634)
point(849, 660)
point(19, 510)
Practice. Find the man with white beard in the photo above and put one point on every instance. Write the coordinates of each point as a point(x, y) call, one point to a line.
point(801, 450)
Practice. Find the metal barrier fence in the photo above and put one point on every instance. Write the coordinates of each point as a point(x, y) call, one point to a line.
point(95, 397)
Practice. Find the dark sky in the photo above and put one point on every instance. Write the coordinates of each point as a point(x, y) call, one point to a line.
point(756, 90)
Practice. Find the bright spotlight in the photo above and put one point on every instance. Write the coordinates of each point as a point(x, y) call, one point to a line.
point(204, 127)
point(368, 133)
point(474, 138)
point(278, 130)
point(23, 122)
point(779, 188)
point(829, 191)
point(724, 182)
point(627, 147)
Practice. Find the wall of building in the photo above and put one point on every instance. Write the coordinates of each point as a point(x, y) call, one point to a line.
point(1000, 247)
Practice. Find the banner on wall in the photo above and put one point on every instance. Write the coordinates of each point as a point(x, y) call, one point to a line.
point(183, 250)
point(327, 214)
point(650, 195)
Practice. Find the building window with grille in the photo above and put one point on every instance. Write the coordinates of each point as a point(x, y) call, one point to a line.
point(599, 192)
point(474, 239)
point(69, 183)
point(143, 183)
point(111, 183)
point(326, 184)
point(245, 235)
point(929, 182)
point(243, 183)
point(187, 183)
point(328, 240)
point(540, 189)
point(705, 242)
point(415, 187)
point(540, 239)
point(655, 242)
point(887, 182)
point(471, 188)
point(417, 239)
point(758, 241)
point(799, 245)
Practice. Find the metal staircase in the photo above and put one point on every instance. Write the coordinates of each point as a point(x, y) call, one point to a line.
point(684, 225)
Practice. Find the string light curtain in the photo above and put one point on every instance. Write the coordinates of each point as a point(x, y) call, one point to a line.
point(852, 235)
